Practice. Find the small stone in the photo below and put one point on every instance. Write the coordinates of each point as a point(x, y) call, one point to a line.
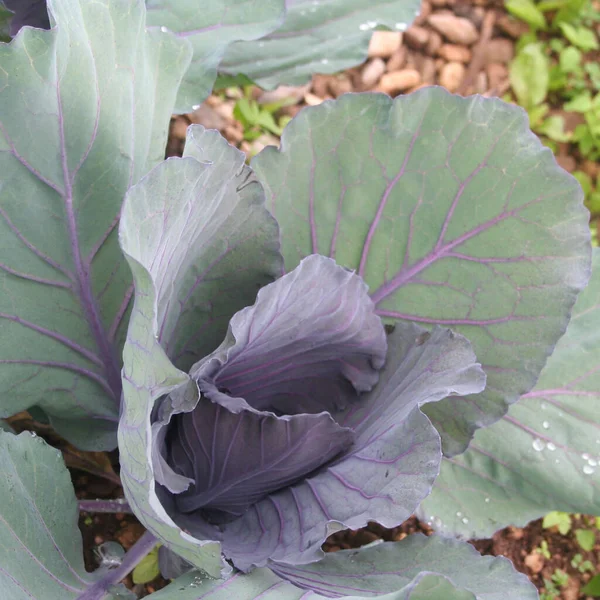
point(372, 72)
point(207, 116)
point(340, 85)
point(428, 70)
point(453, 28)
point(497, 75)
point(534, 562)
point(287, 93)
point(481, 83)
point(434, 44)
point(397, 60)
point(499, 50)
point(455, 53)
point(416, 37)
point(511, 26)
point(179, 127)
point(313, 99)
point(442, 3)
point(425, 12)
point(398, 81)
point(320, 85)
point(384, 43)
point(451, 75)
point(225, 109)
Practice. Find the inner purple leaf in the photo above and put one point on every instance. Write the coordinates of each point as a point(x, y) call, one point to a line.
point(238, 457)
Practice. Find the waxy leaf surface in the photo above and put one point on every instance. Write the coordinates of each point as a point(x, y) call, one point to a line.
point(84, 113)
point(200, 244)
point(210, 26)
point(454, 214)
point(41, 554)
point(318, 36)
point(544, 454)
point(417, 568)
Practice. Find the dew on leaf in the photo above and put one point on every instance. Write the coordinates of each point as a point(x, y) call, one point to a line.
point(538, 445)
point(487, 500)
point(592, 462)
point(546, 425)
point(459, 514)
point(588, 470)
point(465, 520)
point(585, 456)
point(551, 446)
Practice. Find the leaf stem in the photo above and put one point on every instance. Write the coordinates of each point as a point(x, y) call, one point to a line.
point(118, 505)
point(134, 556)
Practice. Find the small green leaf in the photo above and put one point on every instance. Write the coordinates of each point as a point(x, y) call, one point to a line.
point(593, 587)
point(147, 569)
point(581, 103)
point(570, 59)
point(585, 538)
point(529, 75)
point(554, 128)
point(593, 70)
point(527, 11)
point(561, 520)
point(582, 37)
point(585, 181)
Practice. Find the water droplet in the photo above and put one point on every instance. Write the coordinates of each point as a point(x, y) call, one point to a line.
point(465, 520)
point(597, 441)
point(401, 26)
point(459, 514)
point(363, 26)
point(585, 456)
point(164, 29)
point(557, 461)
point(592, 462)
point(261, 44)
point(546, 425)
point(588, 470)
point(543, 406)
point(196, 106)
point(551, 447)
point(487, 500)
point(538, 445)
point(324, 61)
point(33, 434)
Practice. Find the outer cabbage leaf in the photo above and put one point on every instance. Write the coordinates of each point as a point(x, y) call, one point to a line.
point(544, 454)
point(41, 553)
point(388, 471)
point(210, 26)
point(417, 568)
point(187, 228)
point(318, 36)
point(454, 213)
point(84, 112)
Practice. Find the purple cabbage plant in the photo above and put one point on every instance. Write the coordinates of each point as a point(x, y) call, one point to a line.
point(354, 327)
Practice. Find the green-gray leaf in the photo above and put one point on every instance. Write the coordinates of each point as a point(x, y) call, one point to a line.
point(417, 568)
point(454, 213)
point(211, 26)
point(193, 230)
point(84, 113)
point(41, 554)
point(544, 454)
point(318, 36)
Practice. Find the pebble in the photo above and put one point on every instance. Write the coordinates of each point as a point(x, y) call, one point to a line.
point(453, 28)
point(566, 162)
point(498, 50)
point(591, 167)
point(512, 27)
point(434, 44)
point(451, 75)
point(497, 75)
point(428, 70)
point(416, 37)
point(384, 43)
point(397, 60)
point(340, 85)
point(313, 99)
point(372, 72)
point(455, 53)
point(398, 81)
point(425, 12)
point(534, 562)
